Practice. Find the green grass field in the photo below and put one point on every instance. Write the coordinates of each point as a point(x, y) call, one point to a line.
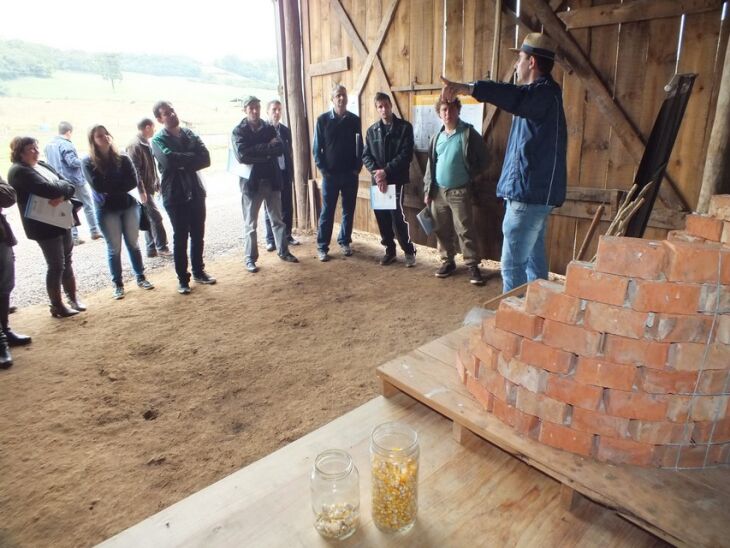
point(34, 106)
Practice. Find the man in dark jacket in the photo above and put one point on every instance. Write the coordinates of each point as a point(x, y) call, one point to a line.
point(387, 156)
point(337, 153)
point(149, 185)
point(533, 179)
point(257, 148)
point(180, 154)
point(285, 163)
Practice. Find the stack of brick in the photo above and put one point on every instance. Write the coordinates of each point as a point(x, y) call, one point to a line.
point(628, 362)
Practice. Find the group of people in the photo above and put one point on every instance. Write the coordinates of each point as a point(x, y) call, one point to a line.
point(533, 181)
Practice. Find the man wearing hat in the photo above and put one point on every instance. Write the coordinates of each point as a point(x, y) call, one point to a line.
point(258, 147)
point(533, 179)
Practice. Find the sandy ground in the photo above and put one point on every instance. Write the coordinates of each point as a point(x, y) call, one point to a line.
point(119, 412)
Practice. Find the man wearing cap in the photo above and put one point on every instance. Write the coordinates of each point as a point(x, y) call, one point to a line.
point(258, 147)
point(533, 179)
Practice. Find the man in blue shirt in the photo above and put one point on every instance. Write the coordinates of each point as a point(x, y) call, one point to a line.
point(533, 179)
point(61, 154)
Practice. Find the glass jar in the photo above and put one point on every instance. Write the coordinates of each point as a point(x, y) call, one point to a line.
point(394, 456)
point(335, 487)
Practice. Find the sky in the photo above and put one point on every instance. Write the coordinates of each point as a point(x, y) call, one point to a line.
point(203, 30)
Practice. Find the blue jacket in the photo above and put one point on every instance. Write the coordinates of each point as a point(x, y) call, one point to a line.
point(62, 156)
point(534, 169)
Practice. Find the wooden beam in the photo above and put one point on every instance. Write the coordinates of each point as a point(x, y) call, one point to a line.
point(635, 10)
point(418, 87)
point(624, 128)
point(339, 64)
point(375, 47)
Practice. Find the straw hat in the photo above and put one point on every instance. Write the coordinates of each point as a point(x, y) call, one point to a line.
point(538, 44)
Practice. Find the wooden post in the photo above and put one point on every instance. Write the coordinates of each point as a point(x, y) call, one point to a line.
point(716, 177)
point(297, 114)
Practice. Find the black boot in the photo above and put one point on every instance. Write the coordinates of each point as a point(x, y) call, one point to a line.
point(58, 308)
point(69, 286)
point(6, 360)
point(13, 339)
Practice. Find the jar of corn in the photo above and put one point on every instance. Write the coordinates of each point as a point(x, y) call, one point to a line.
point(335, 489)
point(394, 456)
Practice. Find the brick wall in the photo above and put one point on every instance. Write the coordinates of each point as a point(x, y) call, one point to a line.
point(628, 362)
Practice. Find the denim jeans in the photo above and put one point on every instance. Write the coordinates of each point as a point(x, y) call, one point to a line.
point(188, 219)
point(58, 252)
point(115, 225)
point(251, 204)
point(332, 187)
point(523, 250)
point(287, 210)
point(83, 193)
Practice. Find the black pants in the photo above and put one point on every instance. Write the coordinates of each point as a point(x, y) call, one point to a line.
point(58, 254)
point(392, 224)
point(188, 220)
point(287, 210)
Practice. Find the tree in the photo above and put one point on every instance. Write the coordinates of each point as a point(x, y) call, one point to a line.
point(109, 67)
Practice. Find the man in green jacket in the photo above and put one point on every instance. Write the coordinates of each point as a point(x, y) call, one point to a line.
point(457, 155)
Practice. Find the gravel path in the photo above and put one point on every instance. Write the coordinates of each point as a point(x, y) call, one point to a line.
point(223, 230)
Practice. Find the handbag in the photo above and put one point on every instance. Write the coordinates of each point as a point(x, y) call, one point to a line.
point(144, 220)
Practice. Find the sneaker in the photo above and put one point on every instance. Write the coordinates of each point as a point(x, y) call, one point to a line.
point(270, 247)
point(78, 241)
point(293, 241)
point(184, 288)
point(96, 236)
point(118, 292)
point(346, 250)
point(204, 278)
point(388, 258)
point(475, 275)
point(145, 284)
point(289, 258)
point(410, 260)
point(251, 267)
point(446, 270)
point(164, 252)
point(323, 256)
point(152, 254)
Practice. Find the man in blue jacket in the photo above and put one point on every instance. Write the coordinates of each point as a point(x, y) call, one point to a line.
point(61, 154)
point(533, 179)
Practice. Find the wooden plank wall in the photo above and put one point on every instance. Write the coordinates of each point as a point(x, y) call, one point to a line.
point(635, 61)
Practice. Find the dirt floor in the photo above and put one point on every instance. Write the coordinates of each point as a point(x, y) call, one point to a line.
point(123, 410)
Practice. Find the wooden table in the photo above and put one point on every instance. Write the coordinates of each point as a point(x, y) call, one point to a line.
point(471, 494)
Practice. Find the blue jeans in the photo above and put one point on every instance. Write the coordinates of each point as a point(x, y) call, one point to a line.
point(114, 225)
point(332, 186)
point(83, 193)
point(523, 250)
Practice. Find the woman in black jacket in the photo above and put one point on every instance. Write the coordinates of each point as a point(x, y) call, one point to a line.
point(29, 177)
point(111, 177)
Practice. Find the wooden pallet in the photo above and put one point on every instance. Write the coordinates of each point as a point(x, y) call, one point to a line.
point(686, 508)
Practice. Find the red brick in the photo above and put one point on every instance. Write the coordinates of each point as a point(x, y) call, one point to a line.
point(618, 451)
point(567, 439)
point(574, 393)
point(468, 360)
point(632, 257)
point(725, 236)
point(722, 333)
point(709, 301)
point(712, 431)
point(682, 236)
point(512, 317)
point(639, 352)
point(596, 422)
point(546, 357)
point(668, 297)
point(486, 355)
point(636, 405)
point(704, 226)
point(720, 206)
point(508, 343)
point(616, 320)
point(697, 263)
point(689, 456)
point(496, 384)
point(480, 393)
point(584, 282)
point(714, 382)
point(691, 356)
point(523, 423)
point(460, 369)
point(678, 408)
point(659, 432)
point(520, 373)
point(658, 381)
point(708, 408)
point(541, 406)
point(601, 372)
point(571, 338)
point(548, 300)
point(680, 328)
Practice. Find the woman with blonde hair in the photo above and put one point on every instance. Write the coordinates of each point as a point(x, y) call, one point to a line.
point(111, 176)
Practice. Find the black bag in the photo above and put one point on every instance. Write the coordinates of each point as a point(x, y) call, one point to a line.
point(144, 220)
